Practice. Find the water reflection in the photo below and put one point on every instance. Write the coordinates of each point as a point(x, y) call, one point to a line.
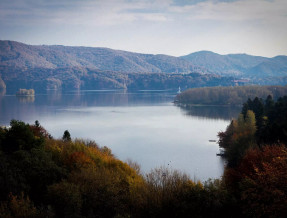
point(2, 92)
point(27, 107)
point(26, 99)
point(211, 112)
point(105, 98)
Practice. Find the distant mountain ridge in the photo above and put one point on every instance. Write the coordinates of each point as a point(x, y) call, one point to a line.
point(15, 54)
point(69, 67)
point(239, 64)
point(19, 55)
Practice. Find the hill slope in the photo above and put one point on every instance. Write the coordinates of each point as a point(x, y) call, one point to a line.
point(239, 64)
point(15, 54)
point(63, 67)
point(54, 67)
point(276, 66)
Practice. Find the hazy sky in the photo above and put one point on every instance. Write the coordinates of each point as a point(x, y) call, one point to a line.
point(174, 27)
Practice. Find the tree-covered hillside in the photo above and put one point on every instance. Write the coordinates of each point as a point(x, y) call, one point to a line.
point(247, 66)
point(235, 64)
point(45, 177)
point(22, 56)
point(41, 79)
point(255, 148)
point(66, 67)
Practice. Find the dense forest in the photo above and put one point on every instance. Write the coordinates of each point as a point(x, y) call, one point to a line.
point(23, 56)
point(228, 95)
point(252, 67)
point(45, 177)
point(41, 79)
point(73, 68)
point(255, 148)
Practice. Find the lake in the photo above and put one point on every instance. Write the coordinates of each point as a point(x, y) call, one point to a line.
point(144, 126)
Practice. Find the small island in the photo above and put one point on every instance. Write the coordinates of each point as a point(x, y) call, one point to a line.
point(25, 92)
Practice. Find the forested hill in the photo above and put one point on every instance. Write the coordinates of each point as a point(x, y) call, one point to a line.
point(66, 67)
point(19, 55)
point(239, 64)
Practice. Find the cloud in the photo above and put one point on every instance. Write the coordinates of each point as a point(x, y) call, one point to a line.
point(85, 12)
point(115, 12)
point(235, 10)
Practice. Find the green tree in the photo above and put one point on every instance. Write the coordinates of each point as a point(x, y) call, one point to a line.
point(269, 104)
point(66, 136)
point(20, 137)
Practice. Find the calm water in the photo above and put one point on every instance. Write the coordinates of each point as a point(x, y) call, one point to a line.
point(144, 126)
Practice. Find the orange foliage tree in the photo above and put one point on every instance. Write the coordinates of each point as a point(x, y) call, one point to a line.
point(238, 137)
point(260, 181)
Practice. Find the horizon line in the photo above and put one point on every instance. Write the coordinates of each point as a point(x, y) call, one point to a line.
point(137, 52)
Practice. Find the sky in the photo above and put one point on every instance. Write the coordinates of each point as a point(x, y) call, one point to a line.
point(172, 27)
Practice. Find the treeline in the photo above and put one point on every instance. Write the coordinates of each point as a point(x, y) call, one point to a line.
point(73, 78)
point(255, 148)
point(259, 123)
point(228, 95)
point(45, 177)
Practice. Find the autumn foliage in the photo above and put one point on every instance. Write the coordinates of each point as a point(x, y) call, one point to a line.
point(260, 181)
point(45, 177)
point(257, 158)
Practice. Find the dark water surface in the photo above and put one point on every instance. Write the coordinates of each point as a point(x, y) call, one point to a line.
point(144, 126)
